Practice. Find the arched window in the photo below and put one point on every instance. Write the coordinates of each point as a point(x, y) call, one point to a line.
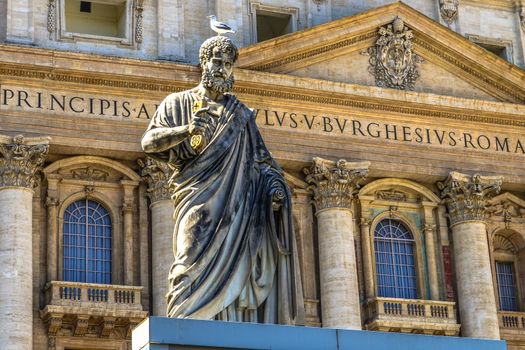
point(505, 258)
point(87, 243)
point(395, 264)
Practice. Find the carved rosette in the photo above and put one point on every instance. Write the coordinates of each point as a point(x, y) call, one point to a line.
point(392, 61)
point(335, 184)
point(466, 196)
point(139, 8)
point(21, 160)
point(449, 10)
point(156, 174)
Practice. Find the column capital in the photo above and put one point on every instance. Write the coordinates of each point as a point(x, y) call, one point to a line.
point(335, 184)
point(21, 159)
point(156, 174)
point(466, 196)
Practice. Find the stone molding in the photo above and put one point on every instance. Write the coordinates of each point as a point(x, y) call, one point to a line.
point(449, 10)
point(21, 160)
point(139, 8)
point(522, 18)
point(155, 174)
point(467, 196)
point(335, 184)
point(390, 68)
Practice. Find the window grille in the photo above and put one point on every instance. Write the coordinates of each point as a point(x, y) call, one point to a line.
point(395, 264)
point(87, 243)
point(506, 286)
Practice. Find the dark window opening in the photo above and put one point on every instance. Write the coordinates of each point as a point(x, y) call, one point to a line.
point(96, 18)
point(85, 6)
point(271, 25)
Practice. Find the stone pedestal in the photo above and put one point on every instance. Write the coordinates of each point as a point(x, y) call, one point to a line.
point(466, 198)
point(334, 186)
point(156, 175)
point(20, 159)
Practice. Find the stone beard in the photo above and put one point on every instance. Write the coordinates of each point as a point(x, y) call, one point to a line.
point(234, 245)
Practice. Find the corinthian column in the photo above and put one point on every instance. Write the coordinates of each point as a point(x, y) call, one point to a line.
point(156, 174)
point(466, 197)
point(20, 161)
point(334, 186)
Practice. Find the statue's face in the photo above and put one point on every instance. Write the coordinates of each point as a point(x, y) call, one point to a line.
point(217, 72)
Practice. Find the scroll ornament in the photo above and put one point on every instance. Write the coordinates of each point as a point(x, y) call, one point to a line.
point(335, 184)
point(392, 60)
point(156, 174)
point(466, 196)
point(20, 162)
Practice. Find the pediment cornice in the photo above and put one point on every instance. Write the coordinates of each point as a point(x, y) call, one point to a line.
point(432, 41)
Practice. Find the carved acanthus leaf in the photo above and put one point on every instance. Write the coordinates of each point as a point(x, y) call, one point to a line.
point(391, 195)
point(392, 61)
point(466, 196)
point(449, 10)
point(89, 173)
point(156, 175)
point(507, 211)
point(21, 161)
point(335, 184)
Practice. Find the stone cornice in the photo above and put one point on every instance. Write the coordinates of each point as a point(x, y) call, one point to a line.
point(467, 196)
point(21, 160)
point(335, 184)
point(156, 175)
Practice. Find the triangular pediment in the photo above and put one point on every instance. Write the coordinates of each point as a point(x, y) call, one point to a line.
point(447, 63)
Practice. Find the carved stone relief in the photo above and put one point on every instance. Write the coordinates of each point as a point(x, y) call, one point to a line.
point(89, 173)
point(156, 174)
point(139, 8)
point(51, 18)
point(335, 184)
point(392, 61)
point(391, 195)
point(21, 160)
point(507, 211)
point(466, 196)
point(503, 244)
point(522, 18)
point(449, 10)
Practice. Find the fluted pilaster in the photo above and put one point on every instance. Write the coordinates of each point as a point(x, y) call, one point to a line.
point(334, 186)
point(466, 199)
point(20, 162)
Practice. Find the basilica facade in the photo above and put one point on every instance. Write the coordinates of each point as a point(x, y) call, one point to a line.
point(400, 128)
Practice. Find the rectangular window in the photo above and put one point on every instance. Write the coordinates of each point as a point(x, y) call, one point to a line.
point(506, 286)
point(501, 48)
point(270, 22)
point(90, 17)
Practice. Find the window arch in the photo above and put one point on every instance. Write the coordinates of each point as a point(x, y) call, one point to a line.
point(395, 261)
point(87, 242)
point(506, 278)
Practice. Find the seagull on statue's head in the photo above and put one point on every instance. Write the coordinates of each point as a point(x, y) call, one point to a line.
point(219, 27)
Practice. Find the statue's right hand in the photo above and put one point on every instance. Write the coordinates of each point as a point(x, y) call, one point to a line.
point(199, 121)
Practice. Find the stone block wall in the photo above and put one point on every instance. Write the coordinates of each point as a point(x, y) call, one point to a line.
point(3, 19)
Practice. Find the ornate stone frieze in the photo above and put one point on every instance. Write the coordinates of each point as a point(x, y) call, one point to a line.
point(335, 184)
point(90, 174)
point(391, 195)
point(503, 244)
point(21, 160)
point(392, 61)
point(156, 174)
point(139, 8)
point(51, 18)
point(449, 10)
point(466, 196)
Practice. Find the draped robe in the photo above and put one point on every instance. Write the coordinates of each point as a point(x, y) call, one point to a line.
point(235, 253)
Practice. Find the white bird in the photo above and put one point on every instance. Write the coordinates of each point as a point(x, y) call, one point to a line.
point(219, 27)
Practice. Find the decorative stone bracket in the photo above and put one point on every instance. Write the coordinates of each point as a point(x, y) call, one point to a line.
point(466, 196)
point(21, 160)
point(335, 184)
point(449, 10)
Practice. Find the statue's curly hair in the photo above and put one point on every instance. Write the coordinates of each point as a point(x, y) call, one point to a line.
point(223, 43)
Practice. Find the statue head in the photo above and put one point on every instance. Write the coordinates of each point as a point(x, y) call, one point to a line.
point(217, 56)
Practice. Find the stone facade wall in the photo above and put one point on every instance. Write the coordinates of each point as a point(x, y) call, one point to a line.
point(174, 30)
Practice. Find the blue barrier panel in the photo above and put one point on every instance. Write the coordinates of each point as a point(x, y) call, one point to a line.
point(160, 333)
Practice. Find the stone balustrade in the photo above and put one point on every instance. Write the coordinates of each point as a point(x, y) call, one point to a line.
point(77, 309)
point(61, 293)
point(411, 316)
point(512, 327)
